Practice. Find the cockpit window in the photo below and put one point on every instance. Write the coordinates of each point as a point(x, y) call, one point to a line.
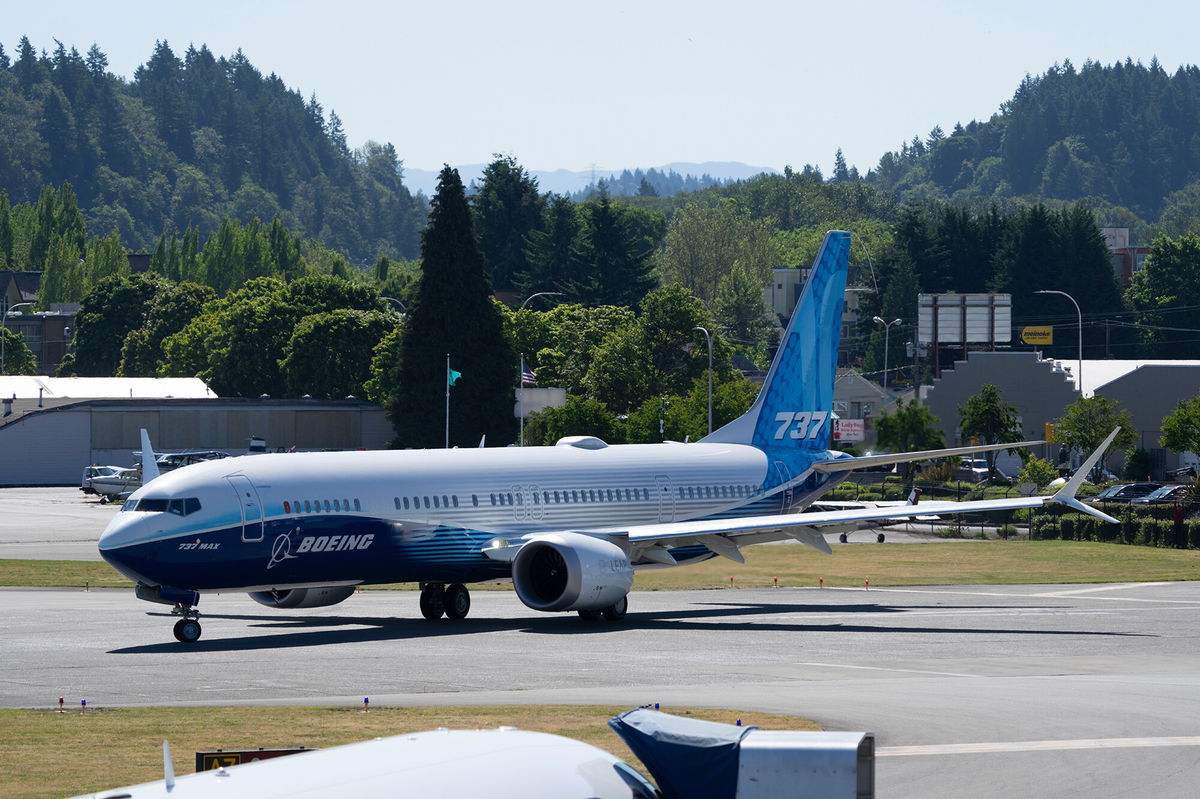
point(180, 507)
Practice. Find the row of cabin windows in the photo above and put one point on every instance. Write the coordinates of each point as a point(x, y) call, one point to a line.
point(715, 492)
point(318, 505)
point(573, 496)
point(431, 501)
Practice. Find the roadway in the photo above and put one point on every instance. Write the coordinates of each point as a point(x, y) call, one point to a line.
point(972, 691)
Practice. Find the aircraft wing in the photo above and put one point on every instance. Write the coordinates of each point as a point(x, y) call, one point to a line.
point(724, 536)
point(867, 461)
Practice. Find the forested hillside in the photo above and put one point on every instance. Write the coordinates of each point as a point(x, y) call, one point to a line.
point(1125, 134)
point(190, 141)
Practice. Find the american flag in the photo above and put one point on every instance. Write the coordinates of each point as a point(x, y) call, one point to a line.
point(528, 377)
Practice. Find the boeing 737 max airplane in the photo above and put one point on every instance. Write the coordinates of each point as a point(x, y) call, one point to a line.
point(569, 524)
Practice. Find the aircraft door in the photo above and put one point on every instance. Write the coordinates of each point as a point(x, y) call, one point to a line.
point(782, 477)
point(251, 507)
point(666, 498)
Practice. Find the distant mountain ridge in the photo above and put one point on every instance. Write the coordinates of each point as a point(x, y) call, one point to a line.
point(566, 181)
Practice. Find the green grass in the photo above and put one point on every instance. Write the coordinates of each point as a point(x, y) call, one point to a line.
point(50, 754)
point(959, 563)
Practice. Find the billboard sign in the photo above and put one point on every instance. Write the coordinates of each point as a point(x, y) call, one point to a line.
point(849, 429)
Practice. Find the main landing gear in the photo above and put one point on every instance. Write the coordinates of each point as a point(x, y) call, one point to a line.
point(453, 601)
point(878, 538)
point(614, 612)
point(187, 629)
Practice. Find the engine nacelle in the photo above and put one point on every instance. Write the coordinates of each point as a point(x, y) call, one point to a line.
point(571, 571)
point(303, 597)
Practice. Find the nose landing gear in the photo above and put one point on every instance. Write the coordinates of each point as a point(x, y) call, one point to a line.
point(187, 630)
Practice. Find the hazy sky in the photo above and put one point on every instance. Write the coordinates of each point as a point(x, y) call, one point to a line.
point(564, 84)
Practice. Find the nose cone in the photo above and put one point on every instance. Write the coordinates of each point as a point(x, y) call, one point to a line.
point(124, 537)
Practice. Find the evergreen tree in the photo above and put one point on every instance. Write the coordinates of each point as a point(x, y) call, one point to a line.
point(6, 233)
point(453, 315)
point(551, 258)
point(508, 209)
point(617, 262)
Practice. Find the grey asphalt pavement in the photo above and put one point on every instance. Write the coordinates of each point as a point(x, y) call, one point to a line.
point(977, 691)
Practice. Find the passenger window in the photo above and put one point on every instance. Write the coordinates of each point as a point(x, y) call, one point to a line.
point(493, 498)
point(357, 505)
point(327, 506)
point(338, 505)
point(435, 501)
point(474, 501)
point(307, 507)
point(397, 501)
point(556, 500)
point(426, 502)
point(346, 504)
point(445, 501)
point(510, 499)
point(520, 499)
point(454, 499)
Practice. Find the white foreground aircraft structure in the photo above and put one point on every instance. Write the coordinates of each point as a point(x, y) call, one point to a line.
point(504, 763)
point(569, 524)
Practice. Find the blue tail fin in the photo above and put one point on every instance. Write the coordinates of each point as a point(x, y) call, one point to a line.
point(791, 419)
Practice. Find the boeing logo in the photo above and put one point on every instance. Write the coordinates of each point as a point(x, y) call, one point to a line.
point(281, 550)
point(335, 543)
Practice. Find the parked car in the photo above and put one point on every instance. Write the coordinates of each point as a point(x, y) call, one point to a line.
point(1166, 495)
point(1125, 492)
point(976, 470)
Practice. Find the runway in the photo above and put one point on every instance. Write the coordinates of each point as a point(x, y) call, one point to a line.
point(979, 691)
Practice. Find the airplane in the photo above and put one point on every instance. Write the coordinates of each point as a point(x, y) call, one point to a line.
point(504, 762)
point(568, 524)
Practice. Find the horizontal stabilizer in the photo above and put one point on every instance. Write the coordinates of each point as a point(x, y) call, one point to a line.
point(869, 461)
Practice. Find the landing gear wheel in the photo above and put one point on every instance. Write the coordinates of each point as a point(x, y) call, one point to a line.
point(590, 615)
point(616, 611)
point(433, 601)
point(879, 538)
point(842, 538)
point(104, 499)
point(187, 631)
point(457, 601)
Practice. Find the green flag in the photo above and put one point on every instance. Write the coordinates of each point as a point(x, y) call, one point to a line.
point(452, 376)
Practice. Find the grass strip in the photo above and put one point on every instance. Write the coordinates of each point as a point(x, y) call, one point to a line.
point(952, 563)
point(50, 754)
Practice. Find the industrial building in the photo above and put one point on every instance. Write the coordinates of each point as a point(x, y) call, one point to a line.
point(54, 427)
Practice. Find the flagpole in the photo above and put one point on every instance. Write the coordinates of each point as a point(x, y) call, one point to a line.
point(447, 400)
point(521, 399)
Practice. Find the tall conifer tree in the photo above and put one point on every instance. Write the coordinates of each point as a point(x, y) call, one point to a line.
point(453, 313)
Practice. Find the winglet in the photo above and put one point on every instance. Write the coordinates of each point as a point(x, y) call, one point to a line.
point(149, 464)
point(1066, 494)
point(168, 769)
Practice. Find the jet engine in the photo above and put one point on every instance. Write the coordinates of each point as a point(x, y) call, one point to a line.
point(303, 597)
point(571, 571)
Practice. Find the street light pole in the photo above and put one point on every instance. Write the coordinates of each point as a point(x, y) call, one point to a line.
point(887, 329)
point(521, 373)
point(1079, 314)
point(400, 305)
point(3, 320)
point(708, 338)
